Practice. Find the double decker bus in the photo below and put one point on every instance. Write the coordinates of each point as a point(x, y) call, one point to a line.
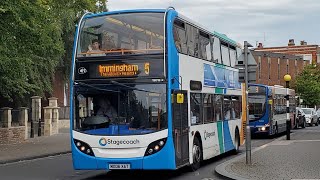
point(150, 89)
point(268, 108)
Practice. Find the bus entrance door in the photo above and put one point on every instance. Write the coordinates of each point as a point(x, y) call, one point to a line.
point(180, 127)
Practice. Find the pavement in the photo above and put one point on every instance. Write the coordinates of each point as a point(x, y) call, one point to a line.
point(298, 158)
point(37, 147)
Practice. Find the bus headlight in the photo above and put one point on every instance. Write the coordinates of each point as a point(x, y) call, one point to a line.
point(155, 146)
point(263, 128)
point(83, 147)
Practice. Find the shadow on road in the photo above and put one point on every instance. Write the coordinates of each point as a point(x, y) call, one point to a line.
point(182, 173)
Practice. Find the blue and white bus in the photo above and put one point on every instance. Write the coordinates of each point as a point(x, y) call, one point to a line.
point(151, 89)
point(267, 109)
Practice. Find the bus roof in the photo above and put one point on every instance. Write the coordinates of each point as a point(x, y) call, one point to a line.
point(126, 11)
point(225, 38)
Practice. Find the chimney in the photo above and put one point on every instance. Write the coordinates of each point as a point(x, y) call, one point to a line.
point(303, 43)
point(291, 42)
point(260, 46)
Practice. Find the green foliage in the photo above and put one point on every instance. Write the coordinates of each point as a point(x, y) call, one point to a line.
point(30, 48)
point(308, 85)
point(36, 35)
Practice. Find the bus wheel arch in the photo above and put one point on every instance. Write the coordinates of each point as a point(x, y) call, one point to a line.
point(197, 152)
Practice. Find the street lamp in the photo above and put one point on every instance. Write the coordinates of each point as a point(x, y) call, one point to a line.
point(248, 131)
point(287, 79)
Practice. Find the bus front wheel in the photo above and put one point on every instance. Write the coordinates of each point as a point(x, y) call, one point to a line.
point(196, 154)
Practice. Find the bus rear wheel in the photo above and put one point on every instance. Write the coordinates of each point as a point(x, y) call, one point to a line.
point(236, 142)
point(196, 154)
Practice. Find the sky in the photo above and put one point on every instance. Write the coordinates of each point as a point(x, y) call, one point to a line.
point(271, 22)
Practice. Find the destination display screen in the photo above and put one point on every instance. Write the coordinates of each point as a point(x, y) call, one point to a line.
point(119, 69)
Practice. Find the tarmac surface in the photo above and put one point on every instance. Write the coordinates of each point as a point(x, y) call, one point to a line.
point(297, 158)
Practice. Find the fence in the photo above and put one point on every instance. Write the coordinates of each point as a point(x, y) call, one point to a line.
point(64, 112)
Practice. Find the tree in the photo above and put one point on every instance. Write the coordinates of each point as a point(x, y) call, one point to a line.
point(36, 35)
point(68, 13)
point(30, 48)
point(308, 85)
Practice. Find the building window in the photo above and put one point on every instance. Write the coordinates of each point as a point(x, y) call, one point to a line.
point(287, 66)
point(259, 67)
point(269, 68)
point(278, 68)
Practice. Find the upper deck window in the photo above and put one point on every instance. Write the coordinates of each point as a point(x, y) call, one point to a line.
point(131, 33)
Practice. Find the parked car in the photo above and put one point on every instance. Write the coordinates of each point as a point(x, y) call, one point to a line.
point(311, 116)
point(300, 118)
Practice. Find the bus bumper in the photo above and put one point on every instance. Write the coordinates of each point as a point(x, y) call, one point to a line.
point(162, 160)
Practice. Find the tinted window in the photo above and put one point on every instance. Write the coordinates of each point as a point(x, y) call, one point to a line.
point(227, 108)
point(192, 41)
point(179, 35)
point(216, 50)
point(195, 107)
point(233, 57)
point(218, 107)
point(208, 108)
point(205, 47)
point(225, 55)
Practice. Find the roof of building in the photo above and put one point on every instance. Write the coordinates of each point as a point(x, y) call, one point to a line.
point(276, 55)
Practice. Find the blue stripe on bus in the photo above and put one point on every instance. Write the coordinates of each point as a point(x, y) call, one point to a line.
point(71, 82)
point(228, 143)
point(172, 71)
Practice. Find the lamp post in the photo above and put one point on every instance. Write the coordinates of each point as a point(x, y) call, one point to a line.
point(287, 79)
point(248, 131)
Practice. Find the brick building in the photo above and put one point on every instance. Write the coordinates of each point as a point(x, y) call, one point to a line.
point(308, 52)
point(271, 67)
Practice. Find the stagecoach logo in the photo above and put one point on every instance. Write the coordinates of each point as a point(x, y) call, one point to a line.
point(82, 70)
point(104, 142)
point(208, 134)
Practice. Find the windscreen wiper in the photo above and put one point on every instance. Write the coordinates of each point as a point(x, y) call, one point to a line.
point(133, 88)
point(96, 88)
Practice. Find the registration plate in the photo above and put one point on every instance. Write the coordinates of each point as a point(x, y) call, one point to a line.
point(119, 166)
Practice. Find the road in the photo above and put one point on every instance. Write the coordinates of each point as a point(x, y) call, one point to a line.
point(60, 168)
